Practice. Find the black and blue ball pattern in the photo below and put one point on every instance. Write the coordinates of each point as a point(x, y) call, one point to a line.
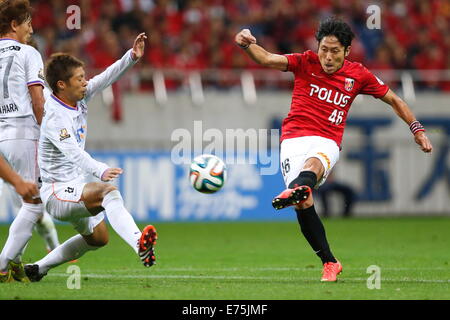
point(207, 173)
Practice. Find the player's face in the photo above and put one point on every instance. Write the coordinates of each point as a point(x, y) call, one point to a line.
point(331, 54)
point(24, 31)
point(77, 85)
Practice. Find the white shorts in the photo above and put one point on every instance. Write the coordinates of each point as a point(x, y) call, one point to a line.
point(62, 200)
point(295, 151)
point(21, 155)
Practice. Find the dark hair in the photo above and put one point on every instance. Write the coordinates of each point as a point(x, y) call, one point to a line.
point(60, 67)
point(19, 10)
point(338, 28)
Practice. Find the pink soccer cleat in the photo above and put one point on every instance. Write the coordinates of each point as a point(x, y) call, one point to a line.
point(291, 197)
point(331, 271)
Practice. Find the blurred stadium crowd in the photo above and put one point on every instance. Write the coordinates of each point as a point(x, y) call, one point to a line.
point(199, 34)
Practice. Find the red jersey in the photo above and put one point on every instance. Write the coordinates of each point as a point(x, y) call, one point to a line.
point(321, 101)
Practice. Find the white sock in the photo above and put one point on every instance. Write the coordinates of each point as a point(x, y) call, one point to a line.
point(70, 250)
point(20, 232)
point(47, 230)
point(120, 219)
point(18, 259)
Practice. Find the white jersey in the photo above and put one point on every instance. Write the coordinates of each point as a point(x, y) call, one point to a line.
point(47, 93)
point(61, 155)
point(21, 66)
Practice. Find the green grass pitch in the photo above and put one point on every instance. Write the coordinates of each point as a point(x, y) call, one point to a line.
point(263, 260)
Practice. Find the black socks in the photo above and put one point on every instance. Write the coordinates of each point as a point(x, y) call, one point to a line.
point(310, 224)
point(313, 230)
point(305, 178)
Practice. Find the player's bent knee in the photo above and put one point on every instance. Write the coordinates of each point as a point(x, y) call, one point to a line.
point(94, 193)
point(97, 239)
point(113, 196)
point(101, 242)
point(107, 189)
point(314, 165)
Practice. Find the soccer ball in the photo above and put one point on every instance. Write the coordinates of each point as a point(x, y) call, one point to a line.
point(207, 173)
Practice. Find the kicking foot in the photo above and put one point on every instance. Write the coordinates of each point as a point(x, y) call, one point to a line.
point(146, 243)
point(291, 197)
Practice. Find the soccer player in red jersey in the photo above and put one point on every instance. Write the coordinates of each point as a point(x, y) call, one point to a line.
point(325, 86)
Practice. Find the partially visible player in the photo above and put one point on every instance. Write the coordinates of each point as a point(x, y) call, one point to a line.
point(27, 190)
point(21, 110)
point(325, 86)
point(65, 166)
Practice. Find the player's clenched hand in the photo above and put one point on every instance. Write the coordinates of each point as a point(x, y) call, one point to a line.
point(245, 38)
point(139, 46)
point(27, 190)
point(111, 174)
point(423, 141)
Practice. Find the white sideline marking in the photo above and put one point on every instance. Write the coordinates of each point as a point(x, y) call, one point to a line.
point(279, 269)
point(163, 276)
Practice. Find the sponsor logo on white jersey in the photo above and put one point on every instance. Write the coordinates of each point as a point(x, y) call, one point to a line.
point(329, 95)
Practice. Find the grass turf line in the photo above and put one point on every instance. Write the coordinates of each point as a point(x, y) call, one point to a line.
point(247, 260)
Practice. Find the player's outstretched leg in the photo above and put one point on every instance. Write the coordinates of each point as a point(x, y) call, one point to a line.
point(101, 196)
point(71, 249)
point(47, 230)
point(123, 223)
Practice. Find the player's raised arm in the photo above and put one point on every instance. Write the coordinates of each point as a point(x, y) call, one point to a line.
point(118, 68)
point(404, 112)
point(139, 46)
point(247, 41)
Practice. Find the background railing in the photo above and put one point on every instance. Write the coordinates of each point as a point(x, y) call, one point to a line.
point(408, 83)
